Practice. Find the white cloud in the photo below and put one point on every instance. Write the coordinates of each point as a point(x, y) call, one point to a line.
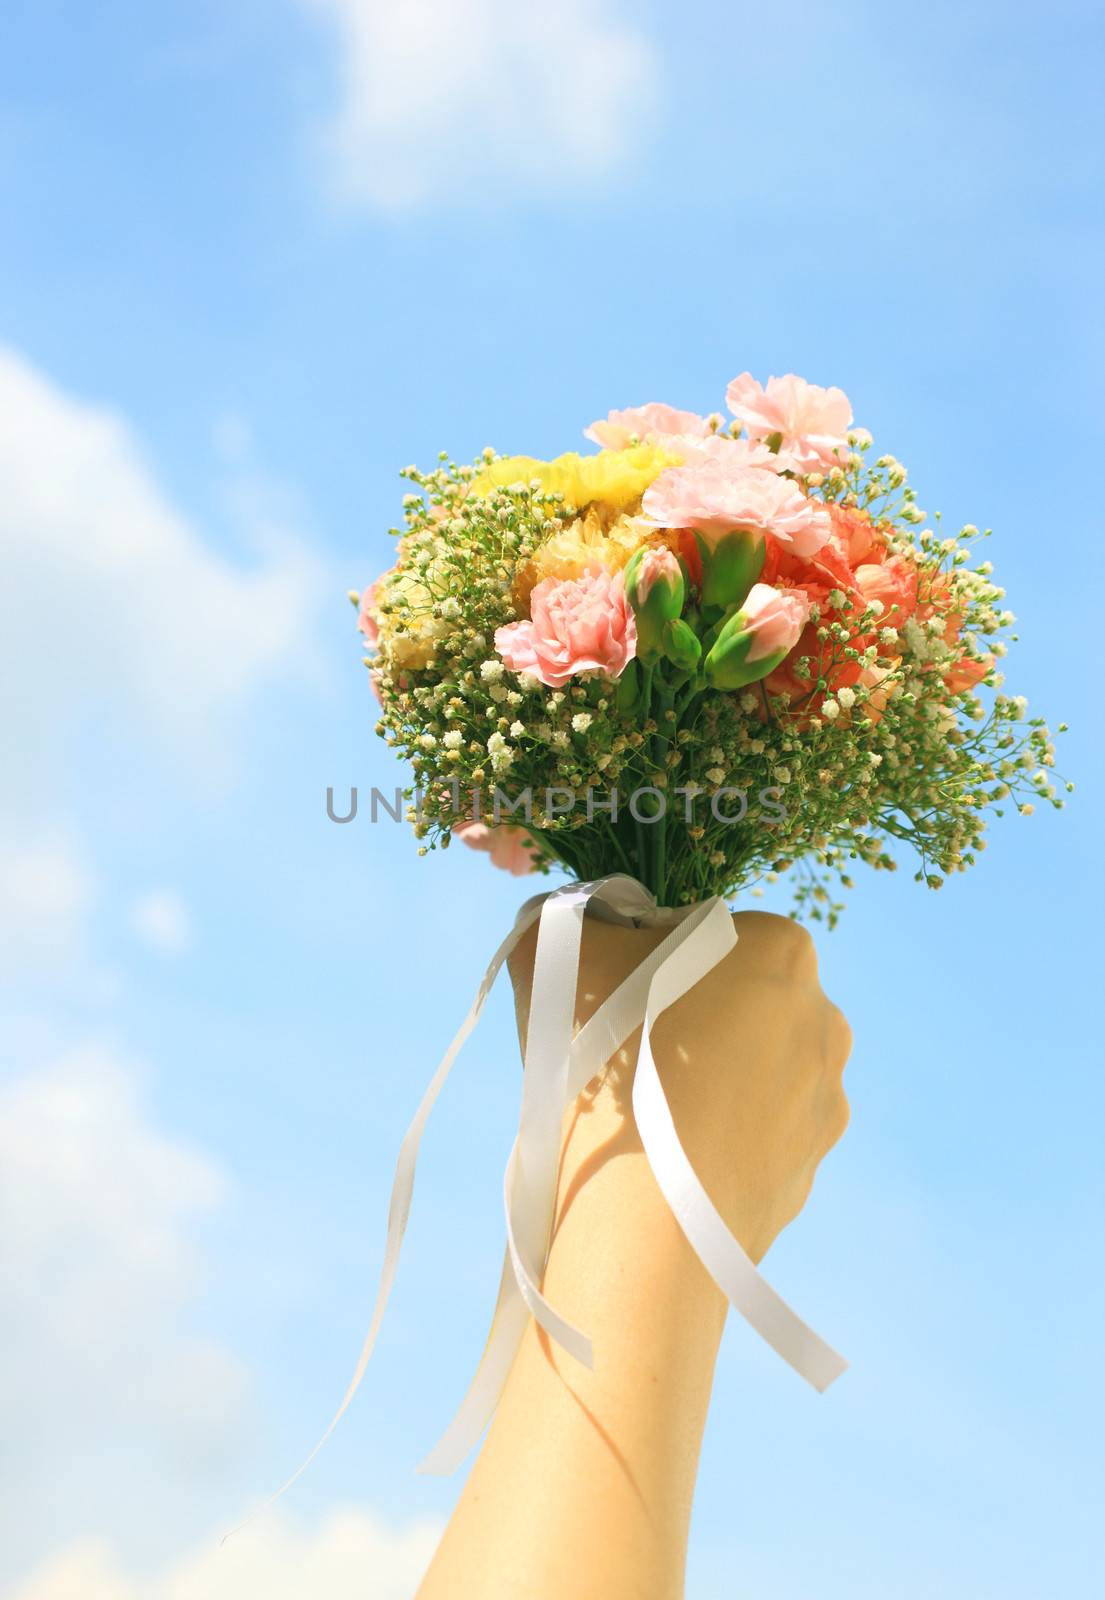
point(127, 636)
point(435, 93)
point(115, 611)
point(350, 1556)
point(161, 919)
point(46, 891)
point(99, 1271)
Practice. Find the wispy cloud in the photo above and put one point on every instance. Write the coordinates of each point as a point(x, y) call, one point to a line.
point(162, 920)
point(437, 94)
point(99, 1275)
point(116, 607)
point(46, 891)
point(349, 1556)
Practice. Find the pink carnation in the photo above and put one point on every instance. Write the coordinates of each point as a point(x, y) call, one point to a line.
point(775, 619)
point(509, 848)
point(715, 502)
point(731, 455)
point(366, 615)
point(812, 422)
point(575, 625)
point(651, 422)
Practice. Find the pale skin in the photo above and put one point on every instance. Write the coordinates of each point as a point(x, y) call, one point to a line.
point(584, 1485)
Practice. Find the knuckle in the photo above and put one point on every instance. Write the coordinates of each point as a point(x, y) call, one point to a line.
point(835, 1116)
point(796, 943)
point(843, 1116)
point(789, 944)
point(781, 949)
point(835, 1036)
point(839, 1037)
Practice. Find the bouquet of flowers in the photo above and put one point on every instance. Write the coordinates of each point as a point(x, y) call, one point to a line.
point(709, 652)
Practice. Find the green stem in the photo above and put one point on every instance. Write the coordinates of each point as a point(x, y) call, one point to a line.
point(693, 689)
point(643, 851)
point(616, 842)
point(661, 743)
point(659, 888)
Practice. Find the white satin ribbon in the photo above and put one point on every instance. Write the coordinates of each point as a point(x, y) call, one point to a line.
point(557, 1068)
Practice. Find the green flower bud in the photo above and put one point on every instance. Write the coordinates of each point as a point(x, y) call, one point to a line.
point(681, 646)
point(655, 588)
point(752, 641)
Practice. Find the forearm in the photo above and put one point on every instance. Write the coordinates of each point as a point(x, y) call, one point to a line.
point(585, 1483)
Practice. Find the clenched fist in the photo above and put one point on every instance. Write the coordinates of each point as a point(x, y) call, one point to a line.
point(751, 1061)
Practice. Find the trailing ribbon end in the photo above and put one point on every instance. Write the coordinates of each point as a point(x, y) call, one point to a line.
point(557, 1068)
point(402, 1187)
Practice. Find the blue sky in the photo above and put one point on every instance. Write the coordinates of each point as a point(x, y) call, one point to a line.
point(256, 257)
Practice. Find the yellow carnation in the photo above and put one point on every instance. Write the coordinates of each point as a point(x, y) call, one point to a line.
point(616, 478)
point(591, 541)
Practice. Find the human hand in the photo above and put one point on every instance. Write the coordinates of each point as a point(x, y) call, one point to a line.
point(751, 1061)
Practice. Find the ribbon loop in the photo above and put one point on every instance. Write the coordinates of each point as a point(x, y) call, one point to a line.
point(557, 1068)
